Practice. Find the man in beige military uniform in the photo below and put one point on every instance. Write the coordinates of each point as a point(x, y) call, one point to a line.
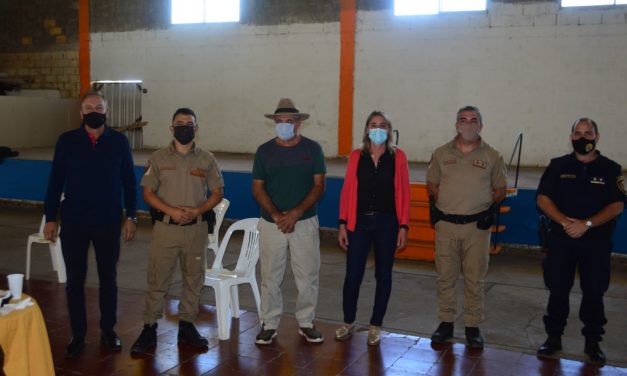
point(465, 179)
point(176, 186)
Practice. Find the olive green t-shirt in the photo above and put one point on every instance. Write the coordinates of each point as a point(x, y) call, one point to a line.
point(288, 173)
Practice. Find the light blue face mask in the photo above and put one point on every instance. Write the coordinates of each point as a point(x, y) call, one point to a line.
point(377, 135)
point(284, 131)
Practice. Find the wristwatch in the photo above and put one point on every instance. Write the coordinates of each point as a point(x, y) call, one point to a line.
point(588, 224)
point(134, 219)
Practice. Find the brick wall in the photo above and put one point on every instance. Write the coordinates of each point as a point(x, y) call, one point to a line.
point(39, 44)
point(44, 70)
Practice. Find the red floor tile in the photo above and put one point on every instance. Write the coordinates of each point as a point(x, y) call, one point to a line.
point(289, 354)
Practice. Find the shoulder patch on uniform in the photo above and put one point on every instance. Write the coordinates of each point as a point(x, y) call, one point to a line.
point(480, 164)
point(568, 176)
point(147, 169)
point(620, 181)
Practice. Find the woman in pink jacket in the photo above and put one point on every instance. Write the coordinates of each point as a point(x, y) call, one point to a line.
point(374, 210)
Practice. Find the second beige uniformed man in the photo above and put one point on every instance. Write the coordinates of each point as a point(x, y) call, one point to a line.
point(176, 186)
point(465, 178)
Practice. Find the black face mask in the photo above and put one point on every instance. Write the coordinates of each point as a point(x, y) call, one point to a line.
point(583, 146)
point(94, 120)
point(184, 134)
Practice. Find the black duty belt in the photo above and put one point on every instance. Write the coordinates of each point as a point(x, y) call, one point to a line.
point(461, 219)
point(159, 216)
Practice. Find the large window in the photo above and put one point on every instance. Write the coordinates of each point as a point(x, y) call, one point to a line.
point(204, 11)
point(422, 7)
point(586, 3)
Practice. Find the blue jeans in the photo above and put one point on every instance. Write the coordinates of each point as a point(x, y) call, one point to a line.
point(380, 230)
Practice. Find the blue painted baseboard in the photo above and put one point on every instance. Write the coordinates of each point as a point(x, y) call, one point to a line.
point(27, 180)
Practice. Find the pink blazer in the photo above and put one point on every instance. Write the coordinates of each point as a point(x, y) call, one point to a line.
point(348, 197)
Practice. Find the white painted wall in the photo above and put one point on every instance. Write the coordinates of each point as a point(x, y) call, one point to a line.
point(230, 75)
point(35, 121)
point(530, 67)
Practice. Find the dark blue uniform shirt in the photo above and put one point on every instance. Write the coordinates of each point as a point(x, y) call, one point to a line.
point(580, 190)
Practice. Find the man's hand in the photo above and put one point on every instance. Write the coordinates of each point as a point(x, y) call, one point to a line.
point(401, 240)
point(181, 216)
point(342, 237)
point(191, 212)
point(287, 221)
point(575, 228)
point(50, 231)
point(129, 229)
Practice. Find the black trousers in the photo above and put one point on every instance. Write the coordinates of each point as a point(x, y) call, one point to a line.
point(589, 255)
point(75, 240)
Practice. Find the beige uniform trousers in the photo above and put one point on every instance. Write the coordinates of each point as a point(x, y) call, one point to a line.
point(304, 248)
point(462, 248)
point(169, 244)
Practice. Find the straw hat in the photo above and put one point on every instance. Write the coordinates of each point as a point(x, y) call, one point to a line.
point(286, 107)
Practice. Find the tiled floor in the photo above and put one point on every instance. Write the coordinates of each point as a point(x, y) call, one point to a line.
point(290, 354)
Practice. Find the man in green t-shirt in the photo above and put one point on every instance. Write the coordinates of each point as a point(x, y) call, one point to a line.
point(288, 180)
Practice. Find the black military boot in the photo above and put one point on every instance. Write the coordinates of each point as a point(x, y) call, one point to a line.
point(594, 352)
point(188, 335)
point(147, 339)
point(443, 333)
point(474, 338)
point(552, 345)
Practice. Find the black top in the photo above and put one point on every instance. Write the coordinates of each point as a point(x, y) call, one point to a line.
point(580, 190)
point(375, 185)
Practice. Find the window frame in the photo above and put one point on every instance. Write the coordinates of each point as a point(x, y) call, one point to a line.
point(593, 6)
point(236, 4)
point(440, 11)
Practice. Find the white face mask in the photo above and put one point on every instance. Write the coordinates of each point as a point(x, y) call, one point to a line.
point(284, 131)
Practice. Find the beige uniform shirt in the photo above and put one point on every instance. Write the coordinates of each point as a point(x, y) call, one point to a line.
point(466, 182)
point(182, 179)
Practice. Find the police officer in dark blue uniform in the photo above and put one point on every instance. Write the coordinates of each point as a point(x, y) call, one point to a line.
point(582, 193)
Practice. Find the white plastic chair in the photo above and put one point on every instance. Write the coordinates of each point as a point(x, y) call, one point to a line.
point(214, 243)
point(58, 264)
point(225, 282)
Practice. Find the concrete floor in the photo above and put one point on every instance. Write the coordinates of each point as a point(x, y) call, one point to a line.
point(515, 295)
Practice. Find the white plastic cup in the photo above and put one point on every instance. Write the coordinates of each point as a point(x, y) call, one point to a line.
point(15, 284)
